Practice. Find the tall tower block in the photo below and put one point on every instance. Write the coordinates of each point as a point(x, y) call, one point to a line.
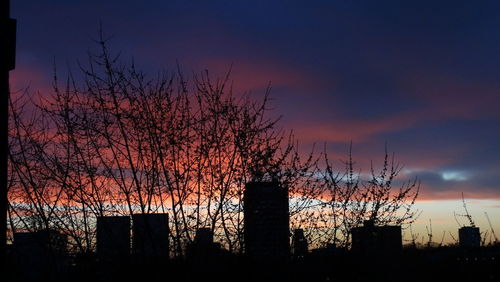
point(150, 235)
point(113, 237)
point(266, 219)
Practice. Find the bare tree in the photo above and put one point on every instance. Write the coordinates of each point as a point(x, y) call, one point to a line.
point(115, 141)
point(348, 200)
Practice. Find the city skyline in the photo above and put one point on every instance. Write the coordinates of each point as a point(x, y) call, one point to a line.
point(422, 78)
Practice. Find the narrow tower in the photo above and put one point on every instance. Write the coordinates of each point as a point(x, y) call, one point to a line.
point(150, 235)
point(113, 238)
point(266, 221)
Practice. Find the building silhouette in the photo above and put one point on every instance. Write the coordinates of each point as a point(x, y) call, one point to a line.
point(113, 238)
point(42, 252)
point(150, 234)
point(372, 240)
point(469, 237)
point(266, 219)
point(299, 243)
point(203, 245)
point(204, 237)
point(41, 242)
point(7, 63)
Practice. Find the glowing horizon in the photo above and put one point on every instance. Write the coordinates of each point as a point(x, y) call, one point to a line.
point(362, 73)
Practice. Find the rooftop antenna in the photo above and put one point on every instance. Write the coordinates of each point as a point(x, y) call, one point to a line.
point(453, 237)
point(483, 241)
point(491, 227)
point(442, 239)
point(413, 237)
point(458, 222)
point(467, 214)
point(429, 233)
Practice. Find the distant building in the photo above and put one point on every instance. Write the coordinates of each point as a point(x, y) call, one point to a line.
point(204, 237)
point(299, 243)
point(203, 243)
point(41, 243)
point(113, 237)
point(206, 259)
point(329, 251)
point(371, 239)
point(469, 237)
point(150, 235)
point(203, 251)
point(266, 221)
point(43, 252)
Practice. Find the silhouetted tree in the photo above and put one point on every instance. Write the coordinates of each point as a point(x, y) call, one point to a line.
point(115, 141)
point(348, 200)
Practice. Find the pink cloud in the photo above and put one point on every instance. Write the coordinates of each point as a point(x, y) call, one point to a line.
point(32, 78)
point(450, 97)
point(249, 75)
point(358, 130)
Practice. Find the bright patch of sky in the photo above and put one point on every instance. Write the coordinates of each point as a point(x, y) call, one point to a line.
point(454, 176)
point(444, 222)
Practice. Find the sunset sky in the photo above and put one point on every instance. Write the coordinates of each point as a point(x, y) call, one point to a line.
point(421, 76)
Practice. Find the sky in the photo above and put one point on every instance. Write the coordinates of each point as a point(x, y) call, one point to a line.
point(419, 76)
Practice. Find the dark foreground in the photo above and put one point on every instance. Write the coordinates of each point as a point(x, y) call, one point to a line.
point(436, 264)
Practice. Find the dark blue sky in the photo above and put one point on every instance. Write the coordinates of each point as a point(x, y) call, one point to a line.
point(422, 76)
